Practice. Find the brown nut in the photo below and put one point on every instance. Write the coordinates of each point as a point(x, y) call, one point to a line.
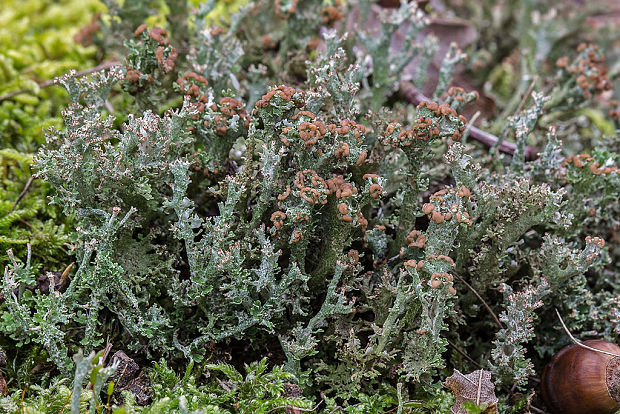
point(581, 381)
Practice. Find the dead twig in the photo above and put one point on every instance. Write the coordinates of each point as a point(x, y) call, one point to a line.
point(47, 83)
point(108, 346)
point(481, 300)
point(66, 402)
point(460, 351)
point(416, 97)
point(469, 126)
point(22, 194)
point(527, 94)
point(21, 402)
point(106, 351)
point(95, 399)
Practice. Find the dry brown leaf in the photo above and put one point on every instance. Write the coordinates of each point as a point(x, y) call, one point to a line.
point(4, 390)
point(447, 31)
point(475, 387)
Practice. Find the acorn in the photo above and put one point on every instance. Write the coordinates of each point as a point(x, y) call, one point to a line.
point(578, 380)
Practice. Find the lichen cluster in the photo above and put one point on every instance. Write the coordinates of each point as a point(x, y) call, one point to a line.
point(260, 193)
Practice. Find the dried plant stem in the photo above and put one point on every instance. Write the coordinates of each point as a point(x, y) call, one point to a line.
point(460, 351)
point(481, 300)
point(469, 126)
point(577, 342)
point(95, 399)
point(22, 194)
point(47, 83)
point(416, 97)
point(106, 351)
point(527, 94)
point(66, 402)
point(21, 402)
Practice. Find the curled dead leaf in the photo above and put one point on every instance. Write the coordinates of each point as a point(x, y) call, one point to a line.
point(475, 387)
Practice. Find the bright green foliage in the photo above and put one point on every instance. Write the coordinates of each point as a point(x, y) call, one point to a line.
point(226, 390)
point(31, 220)
point(36, 44)
point(259, 391)
point(58, 395)
point(223, 9)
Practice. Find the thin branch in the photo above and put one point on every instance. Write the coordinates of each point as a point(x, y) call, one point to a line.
point(460, 351)
point(95, 399)
point(469, 126)
point(527, 94)
point(21, 402)
point(22, 194)
point(106, 351)
point(481, 300)
point(536, 410)
point(66, 402)
point(470, 287)
point(577, 342)
point(47, 83)
point(416, 97)
point(391, 259)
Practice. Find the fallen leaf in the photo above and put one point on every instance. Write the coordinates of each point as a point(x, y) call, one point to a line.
point(475, 387)
point(447, 31)
point(4, 390)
